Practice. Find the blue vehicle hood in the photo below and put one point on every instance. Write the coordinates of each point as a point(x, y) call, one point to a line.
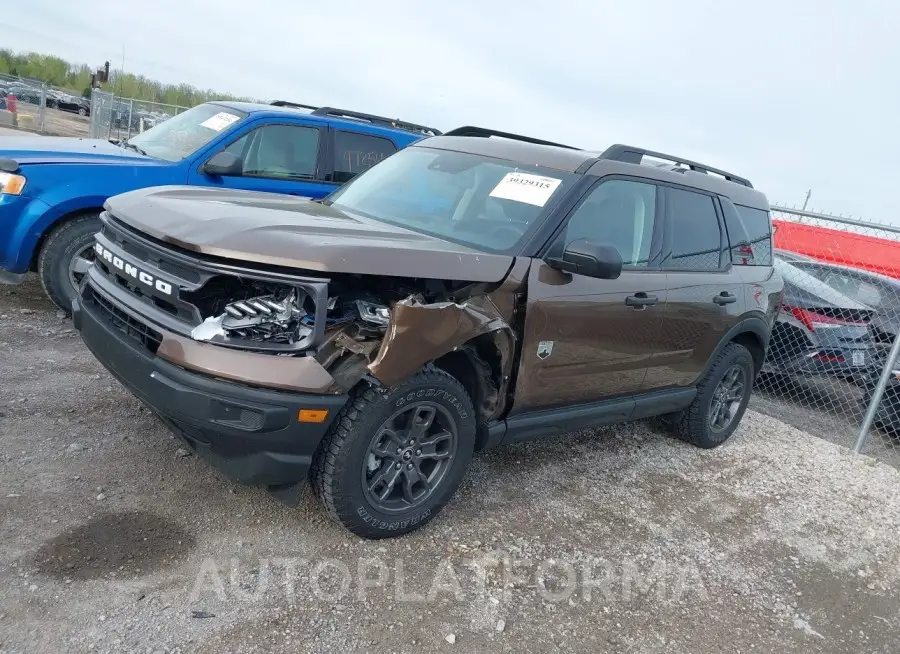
point(27, 150)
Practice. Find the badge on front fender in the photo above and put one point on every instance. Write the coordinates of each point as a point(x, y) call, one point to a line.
point(544, 349)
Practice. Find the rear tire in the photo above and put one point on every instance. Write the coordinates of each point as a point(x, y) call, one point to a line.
point(703, 423)
point(363, 470)
point(65, 257)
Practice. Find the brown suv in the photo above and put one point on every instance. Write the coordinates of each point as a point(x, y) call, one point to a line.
point(474, 289)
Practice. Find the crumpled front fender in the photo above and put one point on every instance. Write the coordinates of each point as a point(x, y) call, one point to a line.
point(420, 333)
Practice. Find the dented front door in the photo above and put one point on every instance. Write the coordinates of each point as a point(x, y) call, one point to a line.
point(584, 340)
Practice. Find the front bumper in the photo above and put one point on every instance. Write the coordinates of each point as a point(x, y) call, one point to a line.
point(251, 434)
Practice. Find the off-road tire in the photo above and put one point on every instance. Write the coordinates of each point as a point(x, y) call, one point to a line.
point(335, 475)
point(692, 424)
point(64, 243)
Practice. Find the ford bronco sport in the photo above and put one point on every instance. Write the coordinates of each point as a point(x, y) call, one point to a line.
point(52, 189)
point(473, 289)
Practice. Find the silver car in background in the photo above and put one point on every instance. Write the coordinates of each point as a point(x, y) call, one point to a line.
point(820, 331)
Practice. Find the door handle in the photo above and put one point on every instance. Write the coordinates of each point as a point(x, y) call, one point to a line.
point(724, 298)
point(641, 300)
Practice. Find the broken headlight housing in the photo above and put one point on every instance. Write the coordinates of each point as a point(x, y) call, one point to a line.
point(281, 318)
point(275, 318)
point(260, 315)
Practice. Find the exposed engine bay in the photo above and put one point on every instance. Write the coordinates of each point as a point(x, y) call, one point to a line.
point(255, 314)
point(358, 333)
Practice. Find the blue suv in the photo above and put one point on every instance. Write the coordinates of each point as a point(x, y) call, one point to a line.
point(52, 190)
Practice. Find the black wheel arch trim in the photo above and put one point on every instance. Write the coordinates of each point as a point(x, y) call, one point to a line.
point(754, 325)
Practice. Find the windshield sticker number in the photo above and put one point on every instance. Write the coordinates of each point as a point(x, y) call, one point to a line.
point(525, 187)
point(219, 122)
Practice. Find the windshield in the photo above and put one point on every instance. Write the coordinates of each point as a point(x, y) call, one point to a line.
point(182, 135)
point(489, 204)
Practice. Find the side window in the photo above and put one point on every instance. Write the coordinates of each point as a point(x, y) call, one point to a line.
point(696, 237)
point(758, 227)
point(620, 213)
point(238, 147)
point(355, 152)
point(278, 151)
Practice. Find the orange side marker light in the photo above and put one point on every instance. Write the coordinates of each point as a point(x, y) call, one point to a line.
point(312, 415)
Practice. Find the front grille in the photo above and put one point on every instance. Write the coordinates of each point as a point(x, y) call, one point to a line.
point(149, 339)
point(177, 290)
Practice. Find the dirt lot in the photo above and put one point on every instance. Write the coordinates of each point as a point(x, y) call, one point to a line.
point(56, 123)
point(617, 540)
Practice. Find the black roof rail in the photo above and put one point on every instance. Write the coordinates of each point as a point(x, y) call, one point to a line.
point(285, 103)
point(358, 115)
point(630, 154)
point(376, 120)
point(483, 132)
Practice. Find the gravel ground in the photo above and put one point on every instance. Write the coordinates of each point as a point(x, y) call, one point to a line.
point(826, 407)
point(56, 122)
point(618, 540)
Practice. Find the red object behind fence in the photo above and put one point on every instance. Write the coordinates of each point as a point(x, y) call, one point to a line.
point(878, 255)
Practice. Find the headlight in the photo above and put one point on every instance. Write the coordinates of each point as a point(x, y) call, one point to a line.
point(11, 184)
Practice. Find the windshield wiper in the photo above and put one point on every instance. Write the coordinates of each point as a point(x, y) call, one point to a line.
point(126, 144)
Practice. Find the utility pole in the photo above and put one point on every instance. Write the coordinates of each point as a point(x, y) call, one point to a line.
point(808, 193)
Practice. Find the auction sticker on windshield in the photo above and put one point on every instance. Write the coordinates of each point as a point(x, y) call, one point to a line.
point(525, 187)
point(220, 121)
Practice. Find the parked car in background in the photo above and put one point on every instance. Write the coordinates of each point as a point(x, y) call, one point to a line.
point(787, 255)
point(887, 415)
point(880, 292)
point(26, 94)
point(73, 104)
point(819, 330)
point(52, 190)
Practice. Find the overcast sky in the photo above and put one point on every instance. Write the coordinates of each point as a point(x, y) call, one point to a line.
point(794, 94)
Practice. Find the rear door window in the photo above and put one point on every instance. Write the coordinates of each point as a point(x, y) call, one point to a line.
point(355, 153)
point(696, 238)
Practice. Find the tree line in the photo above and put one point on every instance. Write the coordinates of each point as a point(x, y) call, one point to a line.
point(76, 79)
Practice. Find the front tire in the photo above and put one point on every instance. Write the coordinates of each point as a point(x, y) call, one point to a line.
point(722, 398)
point(394, 457)
point(65, 257)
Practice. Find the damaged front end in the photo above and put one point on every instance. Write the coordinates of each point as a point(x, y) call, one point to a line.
point(298, 330)
point(355, 327)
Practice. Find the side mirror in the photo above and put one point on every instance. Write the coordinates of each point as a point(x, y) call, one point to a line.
point(223, 164)
point(591, 259)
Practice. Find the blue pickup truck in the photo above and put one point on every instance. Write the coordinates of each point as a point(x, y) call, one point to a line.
point(52, 190)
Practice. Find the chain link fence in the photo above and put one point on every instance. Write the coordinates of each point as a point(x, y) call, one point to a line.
point(23, 103)
point(35, 106)
point(832, 366)
point(120, 118)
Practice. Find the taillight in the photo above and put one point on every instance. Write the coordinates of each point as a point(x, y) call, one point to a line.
point(812, 319)
point(829, 358)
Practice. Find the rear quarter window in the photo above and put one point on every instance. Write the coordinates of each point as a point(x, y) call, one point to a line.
point(749, 234)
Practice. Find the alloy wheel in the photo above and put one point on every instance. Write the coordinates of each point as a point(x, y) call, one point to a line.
point(727, 398)
point(79, 264)
point(409, 457)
